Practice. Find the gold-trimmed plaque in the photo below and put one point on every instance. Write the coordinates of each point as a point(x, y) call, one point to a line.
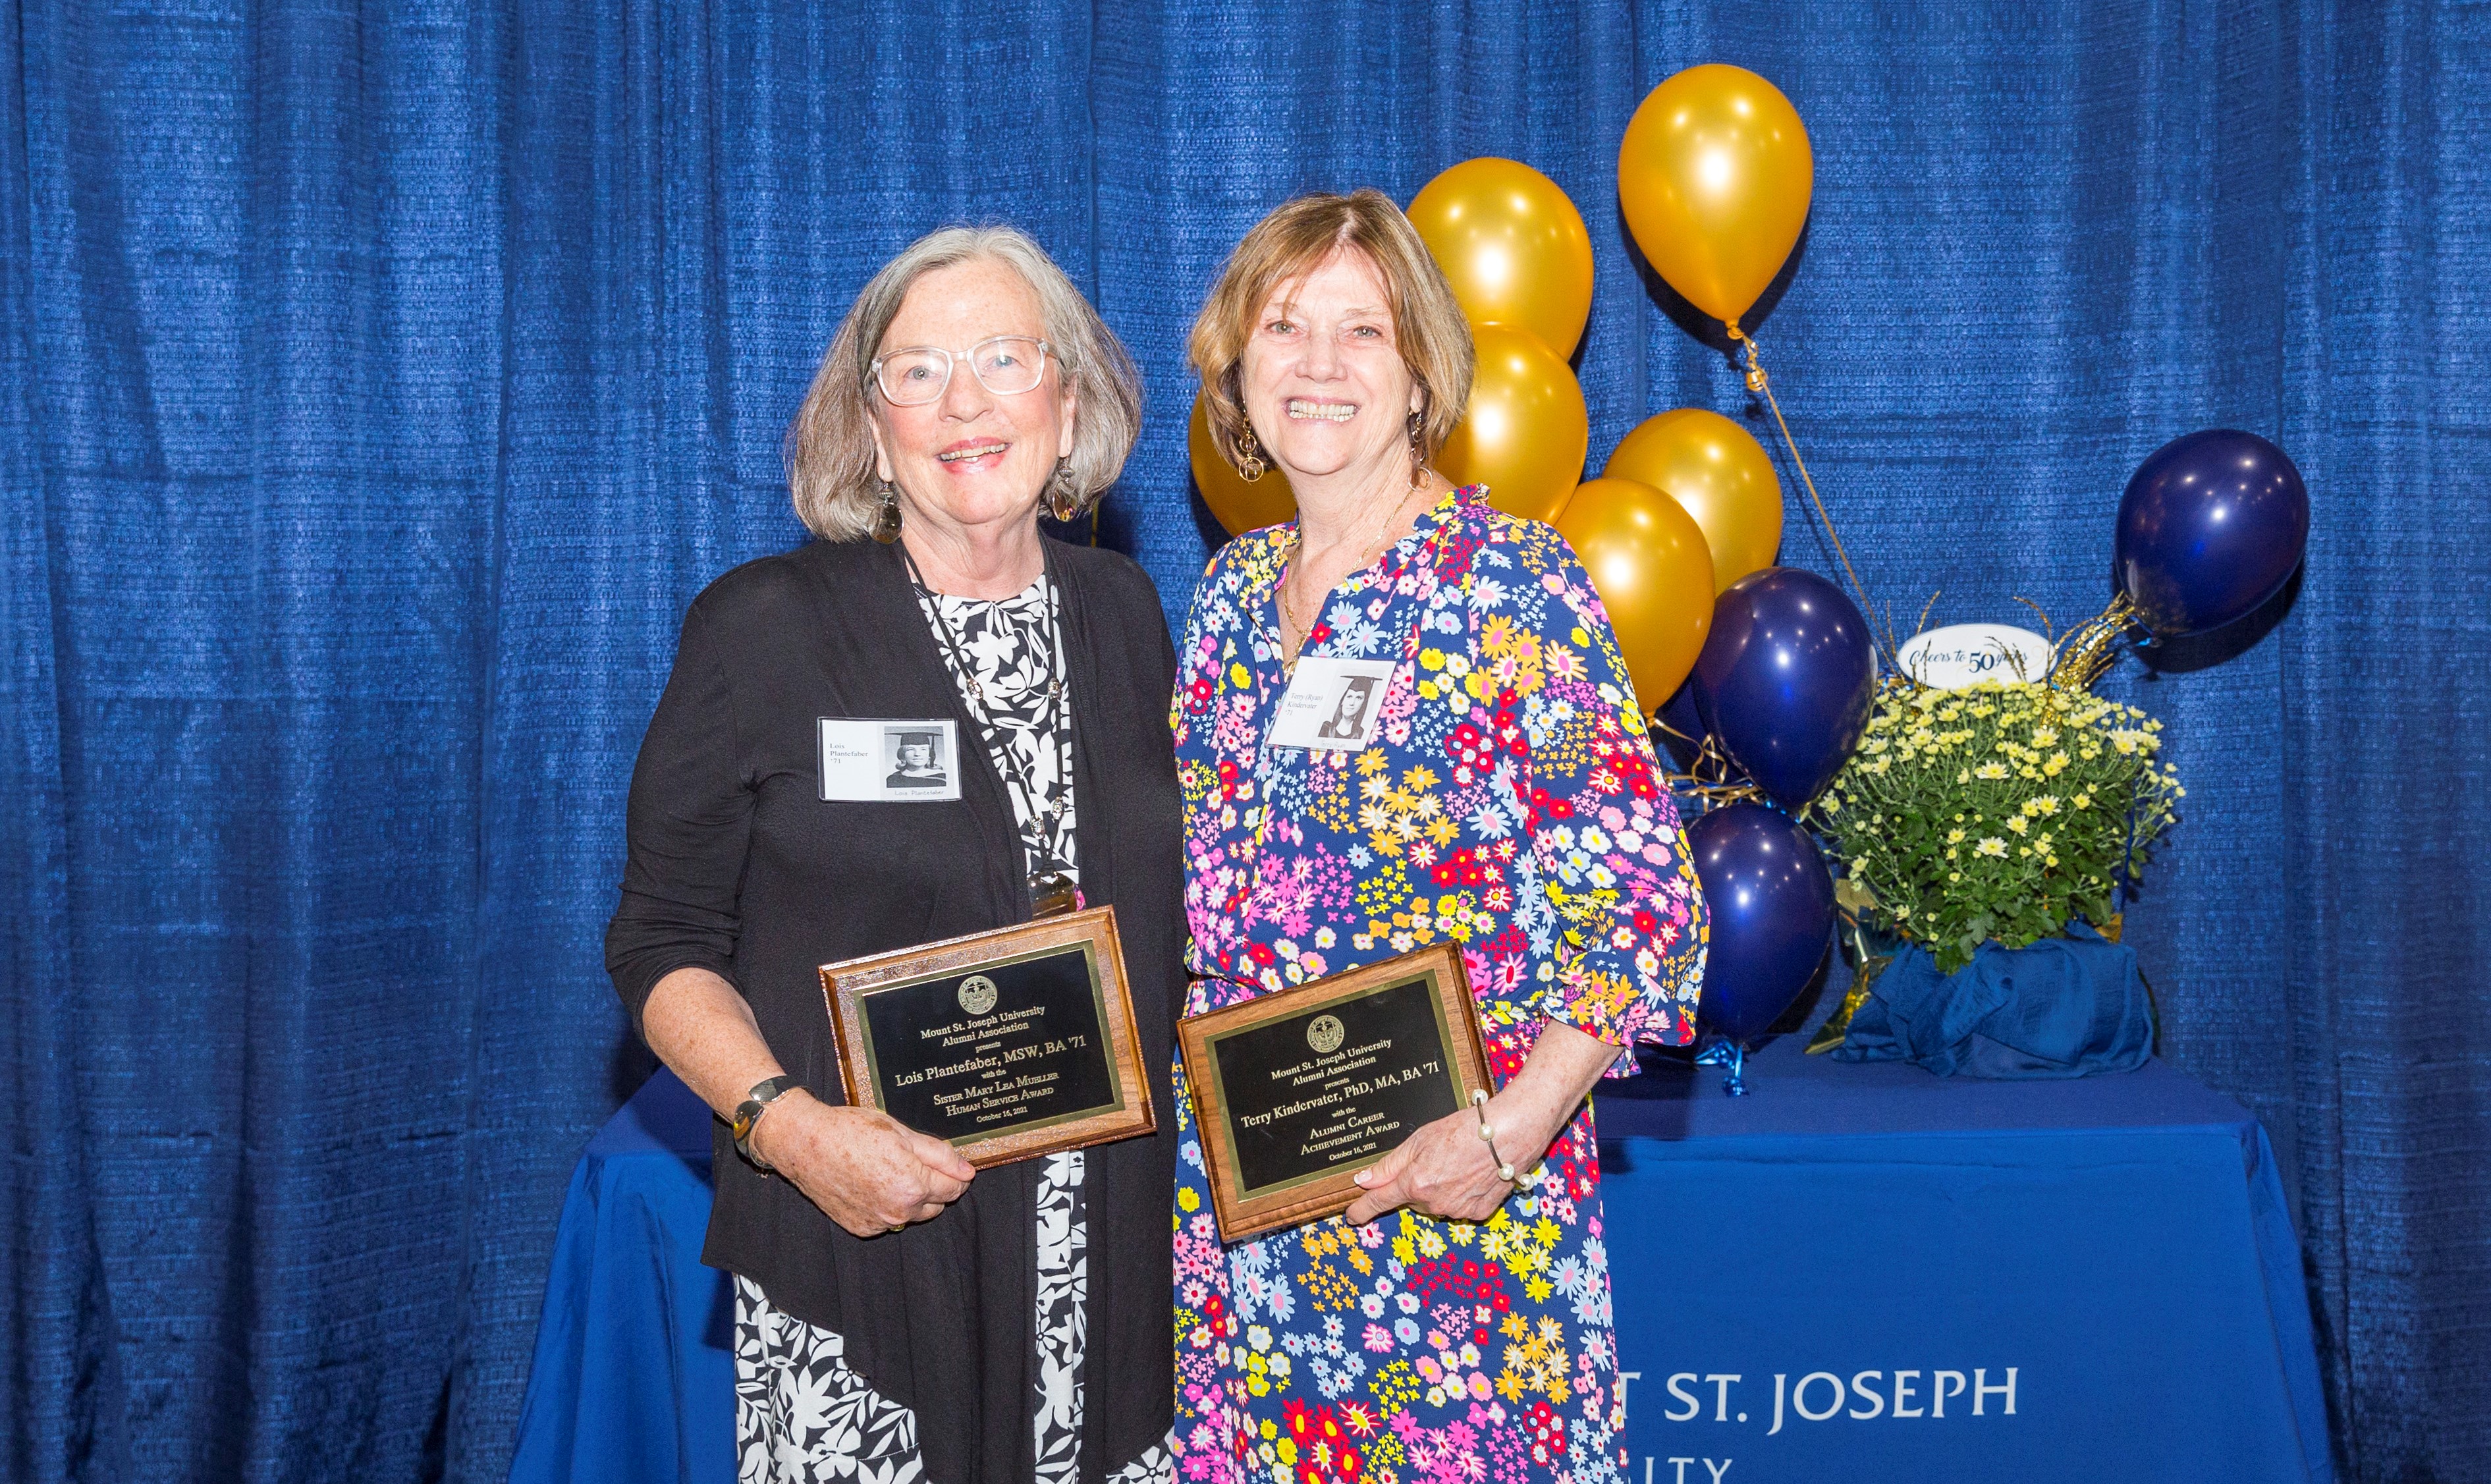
point(1008, 1044)
point(1296, 1092)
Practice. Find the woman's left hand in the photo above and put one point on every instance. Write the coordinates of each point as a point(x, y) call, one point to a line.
point(1446, 1170)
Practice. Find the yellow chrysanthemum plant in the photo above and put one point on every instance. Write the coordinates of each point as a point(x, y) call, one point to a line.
point(2001, 810)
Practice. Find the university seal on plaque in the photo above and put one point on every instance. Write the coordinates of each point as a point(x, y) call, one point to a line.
point(1297, 1092)
point(1009, 1044)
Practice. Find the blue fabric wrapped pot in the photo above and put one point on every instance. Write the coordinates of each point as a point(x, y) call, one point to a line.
point(2068, 1006)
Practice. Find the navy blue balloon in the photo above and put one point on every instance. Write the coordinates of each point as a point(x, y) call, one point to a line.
point(2211, 527)
point(1771, 900)
point(1785, 681)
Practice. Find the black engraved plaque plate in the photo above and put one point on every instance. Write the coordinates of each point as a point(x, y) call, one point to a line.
point(1006, 1044)
point(1297, 1112)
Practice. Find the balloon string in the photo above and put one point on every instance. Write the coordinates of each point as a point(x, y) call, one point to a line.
point(1709, 777)
point(1758, 382)
point(2092, 648)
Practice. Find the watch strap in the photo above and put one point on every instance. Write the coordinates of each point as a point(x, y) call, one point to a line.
point(747, 1113)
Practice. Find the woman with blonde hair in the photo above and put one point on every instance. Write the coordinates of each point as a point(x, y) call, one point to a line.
point(1502, 794)
point(902, 732)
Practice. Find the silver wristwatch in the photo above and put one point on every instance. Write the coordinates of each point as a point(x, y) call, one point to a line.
point(749, 1112)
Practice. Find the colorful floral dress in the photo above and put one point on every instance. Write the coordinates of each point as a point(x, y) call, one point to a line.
point(1510, 802)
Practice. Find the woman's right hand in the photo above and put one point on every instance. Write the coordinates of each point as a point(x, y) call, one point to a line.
point(868, 1170)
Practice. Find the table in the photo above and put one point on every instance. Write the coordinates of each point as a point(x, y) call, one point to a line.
point(1889, 1275)
point(633, 1380)
point(2035, 1281)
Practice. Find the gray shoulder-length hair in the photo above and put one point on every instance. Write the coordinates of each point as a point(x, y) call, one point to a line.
point(831, 468)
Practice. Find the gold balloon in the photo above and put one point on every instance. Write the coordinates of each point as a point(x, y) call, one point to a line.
point(1655, 575)
point(1526, 432)
point(1714, 178)
point(1241, 506)
point(1513, 248)
point(1709, 465)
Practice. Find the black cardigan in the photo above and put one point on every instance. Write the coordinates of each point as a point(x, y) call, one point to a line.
point(737, 866)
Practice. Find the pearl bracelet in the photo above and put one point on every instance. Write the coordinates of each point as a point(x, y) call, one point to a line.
point(1487, 1136)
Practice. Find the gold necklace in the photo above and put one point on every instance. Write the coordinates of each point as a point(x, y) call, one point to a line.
point(1288, 610)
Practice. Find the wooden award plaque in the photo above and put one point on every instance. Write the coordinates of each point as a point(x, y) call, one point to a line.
point(1296, 1092)
point(1009, 1044)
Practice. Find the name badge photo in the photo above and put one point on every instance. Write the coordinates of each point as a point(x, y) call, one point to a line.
point(1332, 705)
point(890, 761)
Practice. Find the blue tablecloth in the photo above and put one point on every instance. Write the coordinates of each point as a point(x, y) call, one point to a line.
point(633, 1380)
point(1907, 1258)
point(1941, 1280)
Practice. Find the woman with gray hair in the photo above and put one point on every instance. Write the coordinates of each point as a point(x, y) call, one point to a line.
point(898, 733)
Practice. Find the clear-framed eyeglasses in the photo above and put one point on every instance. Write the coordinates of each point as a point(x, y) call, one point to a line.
point(1004, 364)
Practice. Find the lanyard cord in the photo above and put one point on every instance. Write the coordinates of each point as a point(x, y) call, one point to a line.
point(1043, 860)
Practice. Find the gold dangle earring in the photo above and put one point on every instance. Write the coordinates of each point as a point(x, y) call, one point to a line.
point(1418, 449)
point(1063, 501)
point(886, 516)
point(1249, 459)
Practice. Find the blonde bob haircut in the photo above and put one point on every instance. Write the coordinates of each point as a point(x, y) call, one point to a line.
point(1427, 325)
point(831, 472)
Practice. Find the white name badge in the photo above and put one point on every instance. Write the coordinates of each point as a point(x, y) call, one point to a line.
point(1332, 705)
point(1961, 654)
point(890, 761)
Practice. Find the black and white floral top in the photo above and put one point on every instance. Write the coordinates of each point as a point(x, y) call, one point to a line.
point(1012, 684)
point(1015, 658)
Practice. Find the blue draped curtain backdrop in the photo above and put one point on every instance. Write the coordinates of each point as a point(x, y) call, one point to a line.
point(378, 382)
